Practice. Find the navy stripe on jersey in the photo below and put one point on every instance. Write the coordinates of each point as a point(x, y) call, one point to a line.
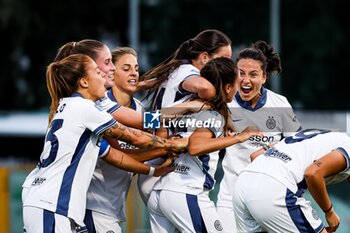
point(196, 216)
point(113, 109)
point(209, 180)
point(298, 216)
point(68, 177)
point(159, 98)
point(48, 221)
point(111, 97)
point(179, 95)
point(246, 105)
point(105, 126)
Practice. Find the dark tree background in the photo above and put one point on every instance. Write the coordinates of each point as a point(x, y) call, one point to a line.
point(314, 41)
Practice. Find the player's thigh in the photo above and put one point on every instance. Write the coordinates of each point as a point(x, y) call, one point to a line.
point(190, 213)
point(242, 194)
point(158, 222)
point(277, 209)
point(145, 185)
point(37, 220)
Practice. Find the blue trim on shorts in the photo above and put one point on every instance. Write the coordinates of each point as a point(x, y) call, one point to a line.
point(297, 214)
point(48, 221)
point(89, 221)
point(196, 216)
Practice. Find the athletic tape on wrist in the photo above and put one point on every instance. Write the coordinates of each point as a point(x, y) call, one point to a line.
point(151, 171)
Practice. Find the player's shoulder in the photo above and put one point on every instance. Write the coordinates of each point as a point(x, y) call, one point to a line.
point(186, 70)
point(276, 99)
point(77, 102)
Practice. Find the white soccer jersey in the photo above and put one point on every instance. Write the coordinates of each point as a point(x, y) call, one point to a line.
point(194, 174)
point(169, 90)
point(62, 177)
point(109, 185)
point(287, 160)
point(107, 104)
point(274, 116)
point(269, 192)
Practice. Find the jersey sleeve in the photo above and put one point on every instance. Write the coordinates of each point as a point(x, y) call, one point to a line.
point(188, 71)
point(96, 119)
point(108, 105)
point(343, 175)
point(290, 121)
point(213, 121)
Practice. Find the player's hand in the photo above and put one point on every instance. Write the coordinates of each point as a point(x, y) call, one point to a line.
point(180, 145)
point(333, 221)
point(164, 168)
point(146, 84)
point(248, 132)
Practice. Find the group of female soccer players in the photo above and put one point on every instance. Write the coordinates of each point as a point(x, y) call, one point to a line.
point(95, 143)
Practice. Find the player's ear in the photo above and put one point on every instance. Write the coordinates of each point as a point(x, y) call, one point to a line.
point(83, 82)
point(228, 88)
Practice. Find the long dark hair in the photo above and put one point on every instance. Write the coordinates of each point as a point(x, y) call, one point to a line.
point(210, 41)
point(219, 72)
point(88, 47)
point(263, 52)
point(62, 78)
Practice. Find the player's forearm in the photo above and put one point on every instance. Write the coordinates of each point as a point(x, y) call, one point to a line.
point(317, 188)
point(179, 109)
point(200, 145)
point(123, 161)
point(144, 155)
point(137, 137)
point(199, 85)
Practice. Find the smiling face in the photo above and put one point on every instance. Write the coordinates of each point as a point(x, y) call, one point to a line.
point(126, 75)
point(250, 80)
point(105, 64)
point(94, 82)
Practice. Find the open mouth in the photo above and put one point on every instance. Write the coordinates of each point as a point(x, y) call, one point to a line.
point(132, 81)
point(246, 89)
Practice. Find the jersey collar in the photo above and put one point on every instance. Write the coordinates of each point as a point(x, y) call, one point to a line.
point(111, 96)
point(261, 101)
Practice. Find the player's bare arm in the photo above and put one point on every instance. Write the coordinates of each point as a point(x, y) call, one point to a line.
point(143, 139)
point(122, 160)
point(202, 140)
point(328, 165)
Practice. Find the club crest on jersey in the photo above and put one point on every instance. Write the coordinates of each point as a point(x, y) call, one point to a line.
point(217, 225)
point(315, 215)
point(270, 122)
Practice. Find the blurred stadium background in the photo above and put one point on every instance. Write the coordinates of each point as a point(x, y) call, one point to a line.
point(311, 36)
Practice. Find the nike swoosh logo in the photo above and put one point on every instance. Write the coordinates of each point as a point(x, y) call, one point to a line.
point(236, 120)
